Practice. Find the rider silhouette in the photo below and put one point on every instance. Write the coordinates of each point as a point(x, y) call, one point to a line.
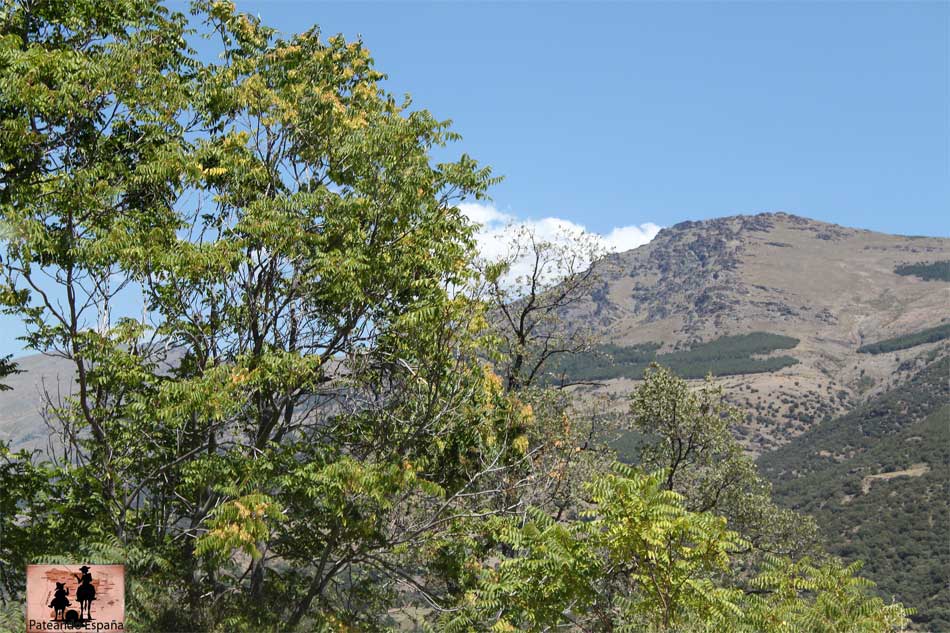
point(60, 601)
point(86, 592)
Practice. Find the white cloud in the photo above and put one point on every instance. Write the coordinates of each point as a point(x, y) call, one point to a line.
point(498, 229)
point(483, 213)
point(623, 238)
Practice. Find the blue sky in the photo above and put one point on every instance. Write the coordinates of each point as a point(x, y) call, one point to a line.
point(624, 117)
point(617, 114)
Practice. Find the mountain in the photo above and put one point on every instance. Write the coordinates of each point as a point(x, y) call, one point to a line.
point(837, 343)
point(814, 293)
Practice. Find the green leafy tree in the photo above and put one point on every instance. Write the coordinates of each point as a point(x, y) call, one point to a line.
point(641, 561)
point(638, 561)
point(821, 597)
point(298, 406)
point(686, 433)
point(90, 141)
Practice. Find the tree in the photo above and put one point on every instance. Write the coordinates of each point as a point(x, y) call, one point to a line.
point(531, 291)
point(641, 561)
point(823, 597)
point(299, 404)
point(686, 434)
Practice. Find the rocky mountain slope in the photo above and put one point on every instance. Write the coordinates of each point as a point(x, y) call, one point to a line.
point(833, 288)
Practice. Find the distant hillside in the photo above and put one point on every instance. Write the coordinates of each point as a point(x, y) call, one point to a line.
point(851, 420)
point(878, 482)
point(21, 408)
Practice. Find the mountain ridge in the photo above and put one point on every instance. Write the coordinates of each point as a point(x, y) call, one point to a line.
point(834, 288)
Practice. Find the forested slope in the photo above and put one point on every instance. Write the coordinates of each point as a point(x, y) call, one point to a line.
point(877, 480)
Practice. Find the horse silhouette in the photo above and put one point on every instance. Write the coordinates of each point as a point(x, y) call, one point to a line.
point(85, 594)
point(60, 601)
